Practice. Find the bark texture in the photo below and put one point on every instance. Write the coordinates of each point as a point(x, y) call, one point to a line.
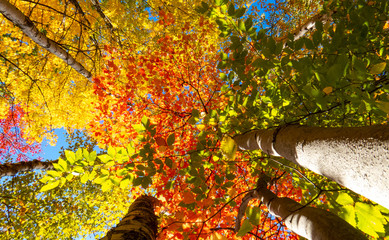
point(357, 158)
point(309, 222)
point(140, 223)
point(27, 26)
point(10, 169)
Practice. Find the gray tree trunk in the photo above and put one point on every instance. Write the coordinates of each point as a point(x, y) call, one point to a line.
point(27, 26)
point(309, 222)
point(140, 223)
point(10, 169)
point(357, 158)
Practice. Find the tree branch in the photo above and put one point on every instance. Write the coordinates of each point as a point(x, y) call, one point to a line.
point(27, 26)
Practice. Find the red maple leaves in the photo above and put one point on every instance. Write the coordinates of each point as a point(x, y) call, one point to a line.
point(13, 144)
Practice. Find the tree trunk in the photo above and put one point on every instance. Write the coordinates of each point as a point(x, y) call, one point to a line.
point(309, 222)
point(357, 158)
point(9, 169)
point(140, 223)
point(27, 26)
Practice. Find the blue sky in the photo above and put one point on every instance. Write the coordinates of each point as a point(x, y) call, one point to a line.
point(52, 152)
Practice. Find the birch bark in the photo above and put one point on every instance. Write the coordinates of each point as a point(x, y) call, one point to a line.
point(14, 15)
point(357, 158)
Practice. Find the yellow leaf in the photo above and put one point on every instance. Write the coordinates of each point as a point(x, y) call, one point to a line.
point(228, 147)
point(201, 127)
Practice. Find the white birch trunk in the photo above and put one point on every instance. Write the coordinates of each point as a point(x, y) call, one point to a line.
point(308, 222)
point(357, 158)
point(27, 26)
point(10, 169)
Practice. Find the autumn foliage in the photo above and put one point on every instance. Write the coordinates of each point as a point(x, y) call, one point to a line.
point(13, 143)
point(156, 99)
point(173, 82)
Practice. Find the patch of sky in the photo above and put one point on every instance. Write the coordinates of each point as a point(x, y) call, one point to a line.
point(50, 152)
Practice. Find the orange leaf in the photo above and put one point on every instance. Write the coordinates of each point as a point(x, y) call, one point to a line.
point(188, 197)
point(160, 141)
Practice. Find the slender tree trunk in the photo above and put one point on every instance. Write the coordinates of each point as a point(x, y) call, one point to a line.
point(357, 158)
point(140, 223)
point(107, 21)
point(27, 26)
point(309, 222)
point(9, 169)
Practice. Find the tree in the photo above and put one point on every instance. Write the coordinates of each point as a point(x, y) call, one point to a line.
point(9, 169)
point(308, 222)
point(75, 210)
point(165, 110)
point(28, 27)
point(356, 158)
point(139, 223)
point(52, 94)
point(334, 76)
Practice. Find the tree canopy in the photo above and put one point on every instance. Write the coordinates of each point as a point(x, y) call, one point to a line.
point(172, 83)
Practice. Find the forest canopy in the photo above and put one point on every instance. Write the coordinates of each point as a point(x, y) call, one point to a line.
point(213, 108)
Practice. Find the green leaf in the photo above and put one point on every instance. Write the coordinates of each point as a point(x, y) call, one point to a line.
point(311, 91)
point(130, 149)
point(69, 177)
point(335, 72)
point(169, 185)
point(248, 23)
point(70, 156)
point(146, 182)
point(138, 181)
point(111, 151)
point(228, 147)
point(139, 128)
point(231, 10)
point(205, 5)
point(125, 182)
point(240, 12)
point(170, 140)
point(345, 199)
point(85, 153)
point(100, 179)
point(78, 169)
point(348, 214)
point(85, 177)
point(145, 121)
point(79, 154)
point(45, 179)
point(241, 25)
point(370, 219)
point(53, 173)
point(63, 164)
point(106, 186)
point(378, 68)
point(169, 162)
point(254, 215)
point(92, 175)
point(223, 77)
point(222, 65)
point(224, 57)
point(201, 10)
point(49, 186)
point(105, 158)
point(92, 157)
point(245, 228)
